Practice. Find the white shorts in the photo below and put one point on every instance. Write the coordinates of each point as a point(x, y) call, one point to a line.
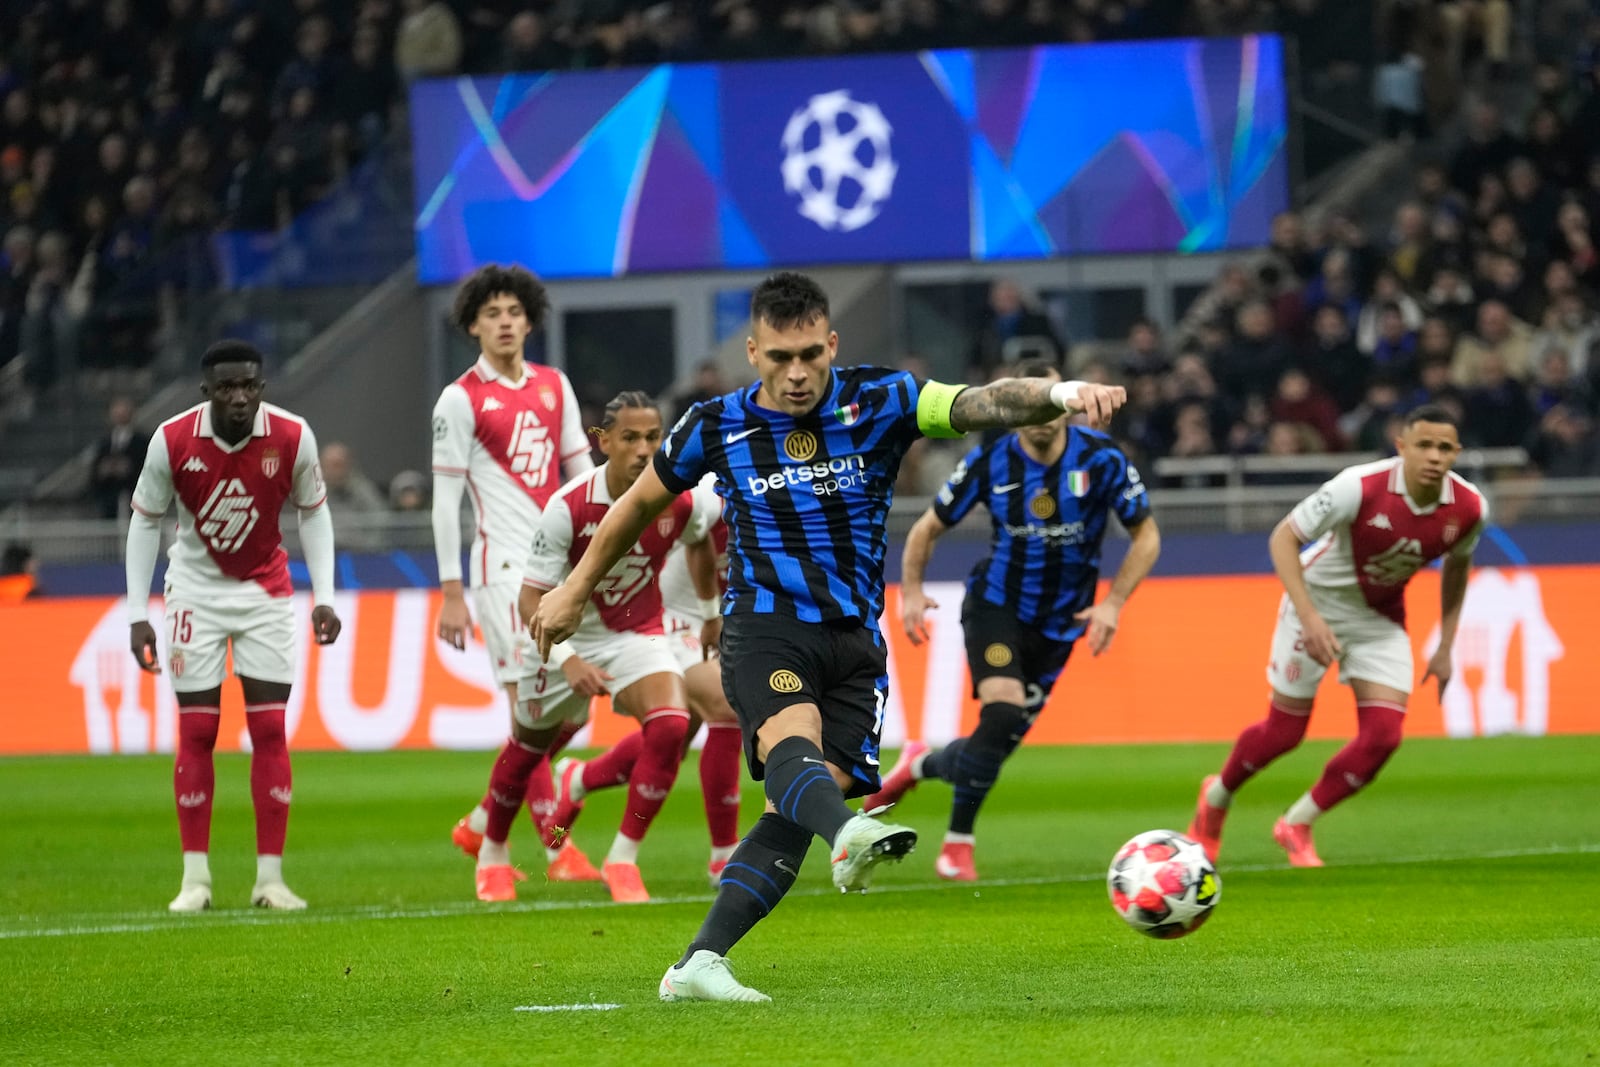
point(685, 641)
point(544, 698)
point(501, 627)
point(199, 633)
point(1376, 648)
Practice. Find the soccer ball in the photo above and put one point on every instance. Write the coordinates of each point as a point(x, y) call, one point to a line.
point(1162, 884)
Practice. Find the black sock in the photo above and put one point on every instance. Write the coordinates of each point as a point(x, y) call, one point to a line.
point(800, 787)
point(972, 764)
point(757, 876)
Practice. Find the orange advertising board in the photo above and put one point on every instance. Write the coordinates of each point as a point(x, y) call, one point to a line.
point(1188, 664)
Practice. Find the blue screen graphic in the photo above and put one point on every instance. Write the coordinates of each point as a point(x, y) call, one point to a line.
point(1163, 146)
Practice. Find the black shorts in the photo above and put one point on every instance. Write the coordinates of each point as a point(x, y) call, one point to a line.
point(999, 645)
point(772, 662)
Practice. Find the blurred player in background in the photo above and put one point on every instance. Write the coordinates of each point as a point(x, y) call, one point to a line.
point(1372, 527)
point(621, 648)
point(805, 461)
point(231, 464)
point(1050, 490)
point(688, 618)
point(510, 432)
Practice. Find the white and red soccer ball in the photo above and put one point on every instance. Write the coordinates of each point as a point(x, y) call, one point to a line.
point(1162, 884)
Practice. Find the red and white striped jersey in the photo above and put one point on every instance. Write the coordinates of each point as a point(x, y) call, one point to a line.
point(628, 598)
point(1368, 532)
point(229, 497)
point(511, 442)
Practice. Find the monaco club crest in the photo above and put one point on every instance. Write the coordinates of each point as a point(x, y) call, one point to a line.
point(547, 397)
point(664, 526)
point(270, 462)
point(1452, 530)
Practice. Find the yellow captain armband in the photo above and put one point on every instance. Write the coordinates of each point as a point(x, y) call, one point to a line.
point(933, 409)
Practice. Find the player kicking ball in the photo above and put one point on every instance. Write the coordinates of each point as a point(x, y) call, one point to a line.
point(805, 461)
point(620, 648)
point(1050, 491)
point(1372, 527)
point(230, 464)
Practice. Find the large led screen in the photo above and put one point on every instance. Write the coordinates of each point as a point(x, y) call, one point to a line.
point(1027, 153)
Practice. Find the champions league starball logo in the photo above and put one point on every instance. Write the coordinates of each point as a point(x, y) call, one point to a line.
point(836, 160)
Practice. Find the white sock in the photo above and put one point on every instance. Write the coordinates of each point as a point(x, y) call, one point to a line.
point(916, 765)
point(578, 792)
point(493, 854)
point(478, 819)
point(624, 849)
point(1303, 811)
point(960, 839)
point(722, 853)
point(1217, 794)
point(550, 854)
point(269, 869)
point(196, 869)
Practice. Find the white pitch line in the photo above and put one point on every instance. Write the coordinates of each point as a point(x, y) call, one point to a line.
point(566, 1007)
point(141, 922)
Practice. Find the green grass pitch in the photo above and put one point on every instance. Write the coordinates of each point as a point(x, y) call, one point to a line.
point(1453, 925)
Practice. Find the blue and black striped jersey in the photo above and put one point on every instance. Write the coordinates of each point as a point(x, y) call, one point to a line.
point(1048, 522)
point(807, 498)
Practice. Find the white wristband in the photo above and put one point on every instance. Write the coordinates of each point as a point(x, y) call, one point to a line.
point(710, 608)
point(1064, 395)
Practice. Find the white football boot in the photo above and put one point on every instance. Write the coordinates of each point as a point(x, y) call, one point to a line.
point(276, 896)
point(194, 897)
point(863, 843)
point(707, 976)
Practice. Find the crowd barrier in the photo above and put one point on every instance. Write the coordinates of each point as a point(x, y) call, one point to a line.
point(1187, 665)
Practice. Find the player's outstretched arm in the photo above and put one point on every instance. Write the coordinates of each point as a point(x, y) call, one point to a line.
point(562, 608)
point(914, 603)
point(1009, 402)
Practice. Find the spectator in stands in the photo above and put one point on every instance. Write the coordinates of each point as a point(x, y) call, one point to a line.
point(707, 383)
point(1498, 412)
point(1555, 383)
point(1408, 242)
point(1288, 247)
point(408, 491)
point(1498, 334)
point(1300, 402)
point(1012, 330)
point(353, 498)
point(1434, 385)
point(428, 42)
point(117, 461)
point(1255, 358)
point(19, 574)
point(1387, 291)
point(1395, 352)
point(1144, 354)
point(1370, 424)
point(1336, 284)
point(1332, 359)
point(1488, 147)
point(16, 277)
point(1191, 431)
point(1571, 326)
point(527, 47)
point(1566, 444)
point(1451, 300)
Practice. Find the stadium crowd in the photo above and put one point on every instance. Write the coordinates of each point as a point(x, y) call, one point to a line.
point(131, 130)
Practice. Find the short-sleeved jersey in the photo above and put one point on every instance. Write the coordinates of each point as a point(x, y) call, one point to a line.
point(229, 497)
point(1048, 521)
point(508, 440)
point(1368, 532)
point(678, 598)
point(628, 598)
point(806, 497)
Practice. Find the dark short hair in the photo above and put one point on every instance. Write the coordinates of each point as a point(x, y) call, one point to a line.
point(628, 398)
point(788, 299)
point(230, 350)
point(1432, 413)
point(491, 281)
point(1037, 368)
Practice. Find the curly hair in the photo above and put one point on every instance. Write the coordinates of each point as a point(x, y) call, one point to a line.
point(230, 350)
point(788, 299)
point(492, 281)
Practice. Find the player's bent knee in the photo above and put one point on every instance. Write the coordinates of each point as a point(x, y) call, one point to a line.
point(1000, 730)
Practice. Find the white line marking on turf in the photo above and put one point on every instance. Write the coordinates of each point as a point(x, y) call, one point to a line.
point(140, 922)
point(566, 1007)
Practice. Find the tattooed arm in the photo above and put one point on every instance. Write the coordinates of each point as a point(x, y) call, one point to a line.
point(1029, 401)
